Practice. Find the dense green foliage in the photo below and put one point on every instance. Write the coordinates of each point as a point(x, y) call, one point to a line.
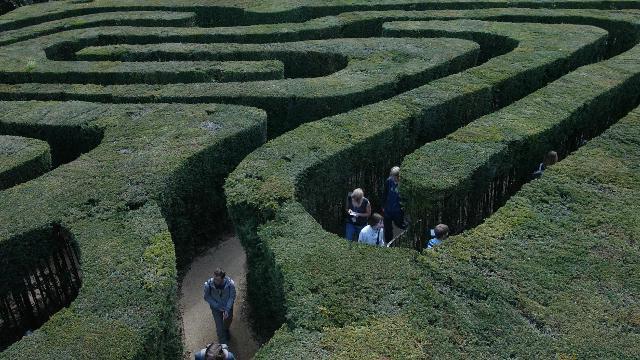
point(139, 103)
point(22, 159)
point(462, 178)
point(119, 201)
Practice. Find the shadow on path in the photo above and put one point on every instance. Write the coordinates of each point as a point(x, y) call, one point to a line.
point(197, 321)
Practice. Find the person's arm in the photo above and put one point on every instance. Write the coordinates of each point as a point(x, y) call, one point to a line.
point(361, 236)
point(381, 238)
point(368, 211)
point(232, 297)
point(385, 193)
point(348, 203)
point(207, 294)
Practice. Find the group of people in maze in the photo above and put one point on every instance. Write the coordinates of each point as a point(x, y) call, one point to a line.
point(362, 226)
point(367, 228)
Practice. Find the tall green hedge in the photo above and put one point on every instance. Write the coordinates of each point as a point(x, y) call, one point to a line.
point(340, 152)
point(376, 69)
point(155, 175)
point(464, 177)
point(138, 185)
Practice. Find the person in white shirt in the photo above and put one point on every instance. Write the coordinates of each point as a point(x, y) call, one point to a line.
point(373, 234)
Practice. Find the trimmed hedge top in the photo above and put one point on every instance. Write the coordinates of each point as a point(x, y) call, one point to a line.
point(116, 201)
point(137, 186)
point(366, 70)
point(22, 159)
point(266, 191)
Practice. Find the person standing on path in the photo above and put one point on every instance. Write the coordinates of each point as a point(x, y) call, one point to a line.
point(393, 212)
point(220, 293)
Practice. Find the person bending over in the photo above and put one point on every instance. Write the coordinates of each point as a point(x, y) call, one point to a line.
point(358, 211)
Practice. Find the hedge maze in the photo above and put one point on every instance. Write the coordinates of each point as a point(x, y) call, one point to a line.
point(131, 131)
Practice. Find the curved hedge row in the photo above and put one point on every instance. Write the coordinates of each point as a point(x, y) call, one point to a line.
point(122, 18)
point(119, 201)
point(544, 277)
point(375, 69)
point(22, 159)
point(232, 13)
point(336, 153)
point(266, 195)
point(134, 177)
point(461, 179)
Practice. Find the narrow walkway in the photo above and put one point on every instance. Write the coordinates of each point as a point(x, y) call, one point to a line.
point(197, 321)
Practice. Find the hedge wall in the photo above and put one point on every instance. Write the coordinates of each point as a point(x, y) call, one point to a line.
point(275, 183)
point(463, 178)
point(22, 159)
point(138, 185)
point(156, 174)
point(336, 153)
point(543, 277)
point(375, 69)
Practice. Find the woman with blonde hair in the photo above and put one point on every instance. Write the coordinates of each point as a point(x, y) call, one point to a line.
point(358, 211)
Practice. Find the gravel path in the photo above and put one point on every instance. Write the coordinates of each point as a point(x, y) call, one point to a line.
point(198, 326)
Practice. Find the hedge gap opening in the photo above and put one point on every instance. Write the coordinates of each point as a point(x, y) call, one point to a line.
point(41, 275)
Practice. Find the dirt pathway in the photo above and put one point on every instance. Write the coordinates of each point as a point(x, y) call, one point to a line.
point(197, 321)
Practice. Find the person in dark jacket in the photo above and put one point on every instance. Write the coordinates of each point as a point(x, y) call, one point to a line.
point(220, 293)
point(393, 212)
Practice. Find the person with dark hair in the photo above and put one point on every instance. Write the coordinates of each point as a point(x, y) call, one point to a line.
point(393, 212)
point(440, 233)
point(358, 211)
point(549, 159)
point(220, 293)
point(373, 234)
point(215, 352)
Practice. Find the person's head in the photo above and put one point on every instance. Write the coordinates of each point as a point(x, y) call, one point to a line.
point(395, 173)
point(376, 221)
point(441, 231)
point(357, 195)
point(213, 352)
point(218, 276)
point(550, 158)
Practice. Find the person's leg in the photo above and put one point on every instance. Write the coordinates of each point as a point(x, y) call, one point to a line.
point(356, 232)
point(388, 228)
point(220, 328)
point(398, 219)
point(227, 325)
point(350, 232)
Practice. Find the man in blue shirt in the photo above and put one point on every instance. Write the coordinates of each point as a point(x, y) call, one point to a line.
point(393, 213)
point(440, 233)
point(220, 293)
